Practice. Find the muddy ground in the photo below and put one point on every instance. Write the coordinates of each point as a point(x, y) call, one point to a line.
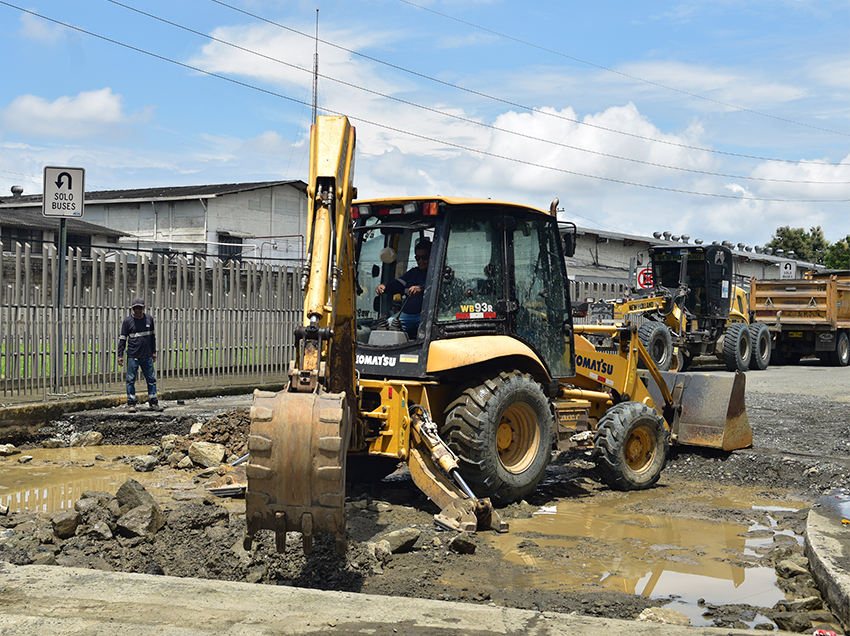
point(801, 451)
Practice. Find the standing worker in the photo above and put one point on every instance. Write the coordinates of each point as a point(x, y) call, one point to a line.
point(137, 335)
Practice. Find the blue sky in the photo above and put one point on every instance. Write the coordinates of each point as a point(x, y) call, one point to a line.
point(721, 120)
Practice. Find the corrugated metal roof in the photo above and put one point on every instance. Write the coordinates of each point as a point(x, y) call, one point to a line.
point(163, 193)
point(32, 219)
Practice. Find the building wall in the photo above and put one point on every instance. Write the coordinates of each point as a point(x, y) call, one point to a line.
point(277, 217)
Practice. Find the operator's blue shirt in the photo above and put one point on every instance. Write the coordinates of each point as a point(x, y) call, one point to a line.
point(411, 277)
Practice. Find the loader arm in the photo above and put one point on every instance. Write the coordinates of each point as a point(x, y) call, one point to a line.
point(700, 409)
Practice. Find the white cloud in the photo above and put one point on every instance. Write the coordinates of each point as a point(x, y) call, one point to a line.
point(37, 29)
point(89, 114)
point(732, 86)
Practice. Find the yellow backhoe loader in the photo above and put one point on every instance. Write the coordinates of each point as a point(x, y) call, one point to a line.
point(472, 384)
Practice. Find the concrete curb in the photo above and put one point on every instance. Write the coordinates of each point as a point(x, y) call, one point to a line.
point(39, 413)
point(39, 600)
point(828, 551)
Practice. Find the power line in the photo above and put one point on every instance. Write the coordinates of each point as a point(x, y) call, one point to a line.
point(465, 119)
point(413, 134)
point(634, 77)
point(316, 74)
point(515, 104)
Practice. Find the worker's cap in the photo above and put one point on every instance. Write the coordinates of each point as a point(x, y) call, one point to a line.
point(137, 302)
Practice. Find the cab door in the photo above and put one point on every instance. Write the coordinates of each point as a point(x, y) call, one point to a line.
point(540, 291)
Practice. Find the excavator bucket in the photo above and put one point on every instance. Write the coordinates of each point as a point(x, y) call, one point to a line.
point(713, 412)
point(298, 444)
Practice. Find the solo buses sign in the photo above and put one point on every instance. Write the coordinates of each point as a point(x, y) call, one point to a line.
point(64, 190)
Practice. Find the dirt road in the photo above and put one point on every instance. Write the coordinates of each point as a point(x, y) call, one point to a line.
point(714, 540)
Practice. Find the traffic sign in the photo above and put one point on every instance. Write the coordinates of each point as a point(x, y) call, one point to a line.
point(788, 270)
point(64, 191)
point(644, 278)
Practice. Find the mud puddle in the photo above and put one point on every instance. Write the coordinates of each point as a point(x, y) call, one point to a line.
point(575, 546)
point(55, 478)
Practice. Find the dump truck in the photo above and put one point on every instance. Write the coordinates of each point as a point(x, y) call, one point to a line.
point(471, 394)
point(694, 308)
point(808, 316)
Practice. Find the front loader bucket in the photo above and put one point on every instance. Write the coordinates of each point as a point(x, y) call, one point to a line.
point(713, 411)
point(296, 470)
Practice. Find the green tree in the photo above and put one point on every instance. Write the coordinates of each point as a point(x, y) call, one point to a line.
point(838, 254)
point(807, 246)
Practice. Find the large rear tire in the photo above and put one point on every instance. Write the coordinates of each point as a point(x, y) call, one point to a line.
point(630, 446)
point(841, 356)
point(501, 432)
point(656, 338)
point(760, 342)
point(737, 348)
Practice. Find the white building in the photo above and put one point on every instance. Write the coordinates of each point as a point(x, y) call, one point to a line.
point(257, 221)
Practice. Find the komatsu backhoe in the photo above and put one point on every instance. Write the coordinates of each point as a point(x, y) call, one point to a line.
point(476, 390)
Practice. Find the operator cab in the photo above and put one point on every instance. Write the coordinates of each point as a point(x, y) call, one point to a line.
point(495, 269)
point(708, 276)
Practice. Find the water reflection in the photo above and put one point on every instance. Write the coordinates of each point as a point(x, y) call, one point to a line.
point(56, 478)
point(575, 546)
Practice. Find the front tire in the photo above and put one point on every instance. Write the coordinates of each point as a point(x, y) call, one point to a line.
point(630, 446)
point(658, 342)
point(501, 432)
point(737, 348)
point(760, 343)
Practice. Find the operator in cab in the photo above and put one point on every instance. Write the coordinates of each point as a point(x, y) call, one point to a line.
point(412, 282)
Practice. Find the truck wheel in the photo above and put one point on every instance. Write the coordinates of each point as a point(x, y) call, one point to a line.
point(501, 432)
point(841, 356)
point(630, 446)
point(736, 347)
point(657, 340)
point(760, 342)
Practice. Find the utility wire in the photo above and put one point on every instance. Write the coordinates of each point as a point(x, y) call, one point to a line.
point(621, 73)
point(413, 134)
point(458, 117)
point(514, 104)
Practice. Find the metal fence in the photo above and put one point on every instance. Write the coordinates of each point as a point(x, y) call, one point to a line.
point(216, 322)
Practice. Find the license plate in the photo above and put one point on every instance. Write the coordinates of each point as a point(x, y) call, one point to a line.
point(795, 334)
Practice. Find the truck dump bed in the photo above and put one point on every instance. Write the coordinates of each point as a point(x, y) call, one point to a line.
point(819, 302)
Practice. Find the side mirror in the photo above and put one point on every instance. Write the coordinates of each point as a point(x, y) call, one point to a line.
point(640, 259)
point(569, 244)
point(376, 271)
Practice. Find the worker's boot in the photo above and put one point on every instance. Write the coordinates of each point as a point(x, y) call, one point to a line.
point(131, 407)
point(154, 405)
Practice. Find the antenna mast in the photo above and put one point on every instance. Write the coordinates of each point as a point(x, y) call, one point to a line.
point(316, 68)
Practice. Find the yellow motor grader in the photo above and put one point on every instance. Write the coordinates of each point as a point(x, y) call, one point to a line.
point(474, 389)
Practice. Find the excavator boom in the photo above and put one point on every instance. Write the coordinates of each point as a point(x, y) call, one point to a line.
point(299, 437)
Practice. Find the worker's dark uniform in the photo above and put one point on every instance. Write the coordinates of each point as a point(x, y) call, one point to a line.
point(139, 338)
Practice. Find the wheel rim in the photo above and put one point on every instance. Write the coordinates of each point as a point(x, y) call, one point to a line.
point(659, 352)
point(517, 438)
point(640, 448)
point(744, 347)
point(844, 349)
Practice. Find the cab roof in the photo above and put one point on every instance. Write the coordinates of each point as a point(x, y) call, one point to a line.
point(400, 201)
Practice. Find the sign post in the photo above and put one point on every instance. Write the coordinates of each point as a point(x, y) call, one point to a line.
point(64, 196)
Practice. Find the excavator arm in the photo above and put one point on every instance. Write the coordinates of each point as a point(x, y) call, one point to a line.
point(299, 437)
